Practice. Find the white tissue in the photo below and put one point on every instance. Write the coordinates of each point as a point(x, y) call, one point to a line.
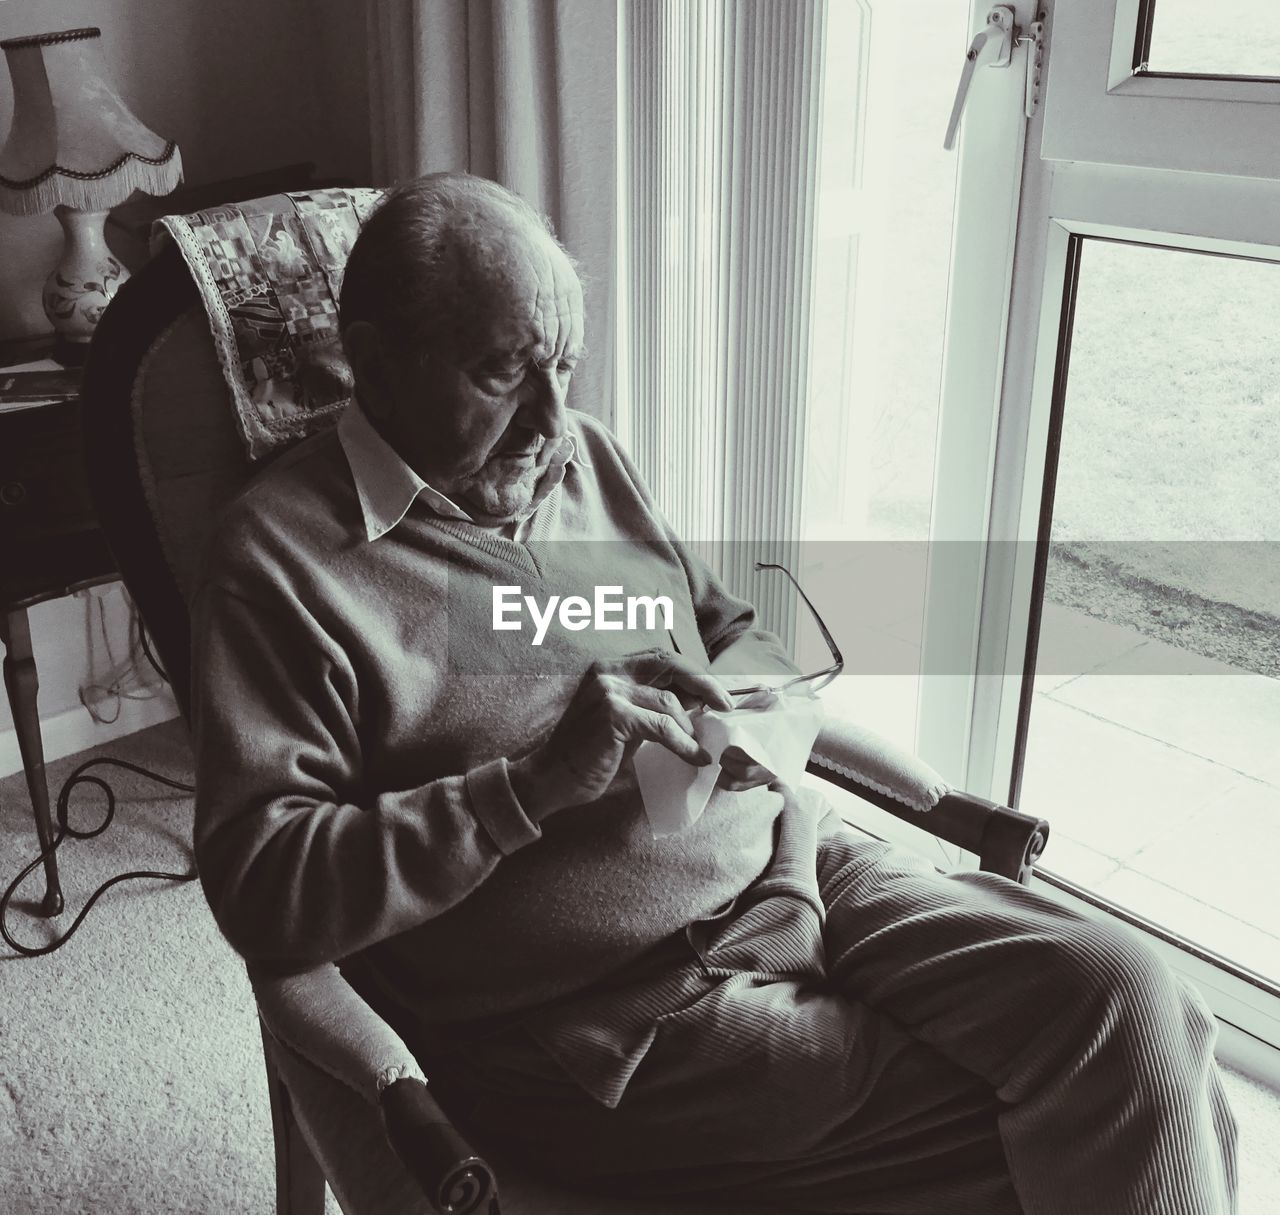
point(778, 734)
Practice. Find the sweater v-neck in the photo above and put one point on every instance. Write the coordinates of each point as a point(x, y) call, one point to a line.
point(515, 552)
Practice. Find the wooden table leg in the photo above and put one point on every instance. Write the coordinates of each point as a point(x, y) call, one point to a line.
point(22, 682)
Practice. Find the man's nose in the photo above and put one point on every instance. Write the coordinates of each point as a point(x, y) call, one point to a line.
point(543, 407)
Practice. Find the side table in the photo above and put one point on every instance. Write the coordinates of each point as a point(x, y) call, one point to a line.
point(50, 546)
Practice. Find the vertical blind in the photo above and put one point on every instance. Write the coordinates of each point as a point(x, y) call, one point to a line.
point(719, 137)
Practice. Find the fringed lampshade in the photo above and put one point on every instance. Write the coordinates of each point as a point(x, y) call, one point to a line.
point(76, 149)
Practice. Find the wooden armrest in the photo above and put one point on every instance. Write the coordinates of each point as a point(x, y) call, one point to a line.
point(319, 1018)
point(1006, 841)
point(451, 1175)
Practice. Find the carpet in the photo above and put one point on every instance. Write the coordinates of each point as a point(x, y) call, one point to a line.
point(131, 1076)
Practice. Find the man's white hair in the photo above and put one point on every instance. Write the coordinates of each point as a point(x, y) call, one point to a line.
point(413, 270)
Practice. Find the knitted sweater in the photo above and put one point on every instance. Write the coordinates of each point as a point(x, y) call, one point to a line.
point(354, 712)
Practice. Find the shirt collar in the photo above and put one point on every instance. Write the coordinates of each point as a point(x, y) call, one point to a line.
point(386, 486)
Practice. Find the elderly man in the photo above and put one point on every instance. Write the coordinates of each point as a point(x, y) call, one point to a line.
point(764, 1007)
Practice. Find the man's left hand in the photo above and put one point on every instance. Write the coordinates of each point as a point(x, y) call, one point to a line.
point(738, 771)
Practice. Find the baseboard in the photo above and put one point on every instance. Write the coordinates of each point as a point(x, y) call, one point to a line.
point(75, 730)
point(1248, 1055)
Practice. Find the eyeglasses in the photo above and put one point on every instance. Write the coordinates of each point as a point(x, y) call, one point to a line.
point(819, 679)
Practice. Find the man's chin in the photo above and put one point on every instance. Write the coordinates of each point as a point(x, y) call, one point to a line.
point(500, 503)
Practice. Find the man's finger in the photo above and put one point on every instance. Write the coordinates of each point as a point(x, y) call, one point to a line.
point(735, 758)
point(650, 726)
point(662, 669)
point(736, 784)
point(747, 771)
point(734, 767)
point(738, 771)
point(659, 700)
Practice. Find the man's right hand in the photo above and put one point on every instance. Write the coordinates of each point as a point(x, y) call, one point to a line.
point(617, 706)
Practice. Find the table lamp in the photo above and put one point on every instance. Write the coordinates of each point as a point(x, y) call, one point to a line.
point(74, 148)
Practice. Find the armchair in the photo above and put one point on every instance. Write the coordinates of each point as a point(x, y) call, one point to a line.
point(349, 1103)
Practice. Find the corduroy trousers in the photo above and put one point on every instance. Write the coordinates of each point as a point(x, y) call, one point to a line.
point(860, 1034)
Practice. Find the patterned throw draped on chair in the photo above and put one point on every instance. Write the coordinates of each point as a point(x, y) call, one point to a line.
point(269, 274)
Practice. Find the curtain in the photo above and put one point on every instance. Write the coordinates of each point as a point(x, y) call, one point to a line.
point(720, 130)
point(523, 92)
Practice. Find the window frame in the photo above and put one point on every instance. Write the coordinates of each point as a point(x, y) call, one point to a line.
point(1100, 110)
point(993, 147)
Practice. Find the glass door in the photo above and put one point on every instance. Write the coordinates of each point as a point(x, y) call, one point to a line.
point(1149, 732)
point(1128, 682)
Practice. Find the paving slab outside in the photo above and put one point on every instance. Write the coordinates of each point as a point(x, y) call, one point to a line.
point(1159, 771)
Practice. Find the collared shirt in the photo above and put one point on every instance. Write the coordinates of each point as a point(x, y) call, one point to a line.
point(387, 487)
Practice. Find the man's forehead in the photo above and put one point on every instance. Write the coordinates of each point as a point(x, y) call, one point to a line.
point(530, 293)
point(522, 327)
point(529, 269)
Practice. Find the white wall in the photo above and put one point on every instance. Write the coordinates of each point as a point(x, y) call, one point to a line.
point(83, 642)
point(242, 86)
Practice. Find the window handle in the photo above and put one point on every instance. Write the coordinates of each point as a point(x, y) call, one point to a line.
point(1000, 31)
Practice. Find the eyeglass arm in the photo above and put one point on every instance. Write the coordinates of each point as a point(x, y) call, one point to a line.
point(837, 657)
point(819, 679)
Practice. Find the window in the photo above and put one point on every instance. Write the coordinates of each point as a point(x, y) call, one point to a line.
point(1181, 38)
point(929, 384)
point(1157, 654)
point(1125, 655)
point(812, 276)
point(1106, 105)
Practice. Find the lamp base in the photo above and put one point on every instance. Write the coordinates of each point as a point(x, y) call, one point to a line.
point(68, 352)
point(82, 284)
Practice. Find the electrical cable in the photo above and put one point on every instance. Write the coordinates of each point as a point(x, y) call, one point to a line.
point(65, 830)
point(121, 682)
point(146, 649)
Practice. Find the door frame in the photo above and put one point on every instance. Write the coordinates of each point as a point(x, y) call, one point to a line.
point(996, 141)
point(1063, 205)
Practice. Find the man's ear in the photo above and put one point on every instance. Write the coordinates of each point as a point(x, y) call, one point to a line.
point(366, 353)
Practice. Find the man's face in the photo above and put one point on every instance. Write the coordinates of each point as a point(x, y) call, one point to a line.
point(480, 421)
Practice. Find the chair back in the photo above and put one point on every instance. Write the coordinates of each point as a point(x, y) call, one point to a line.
point(162, 450)
point(159, 448)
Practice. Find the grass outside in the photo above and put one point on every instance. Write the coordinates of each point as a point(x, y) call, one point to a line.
point(1172, 421)
point(1243, 37)
point(1166, 517)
